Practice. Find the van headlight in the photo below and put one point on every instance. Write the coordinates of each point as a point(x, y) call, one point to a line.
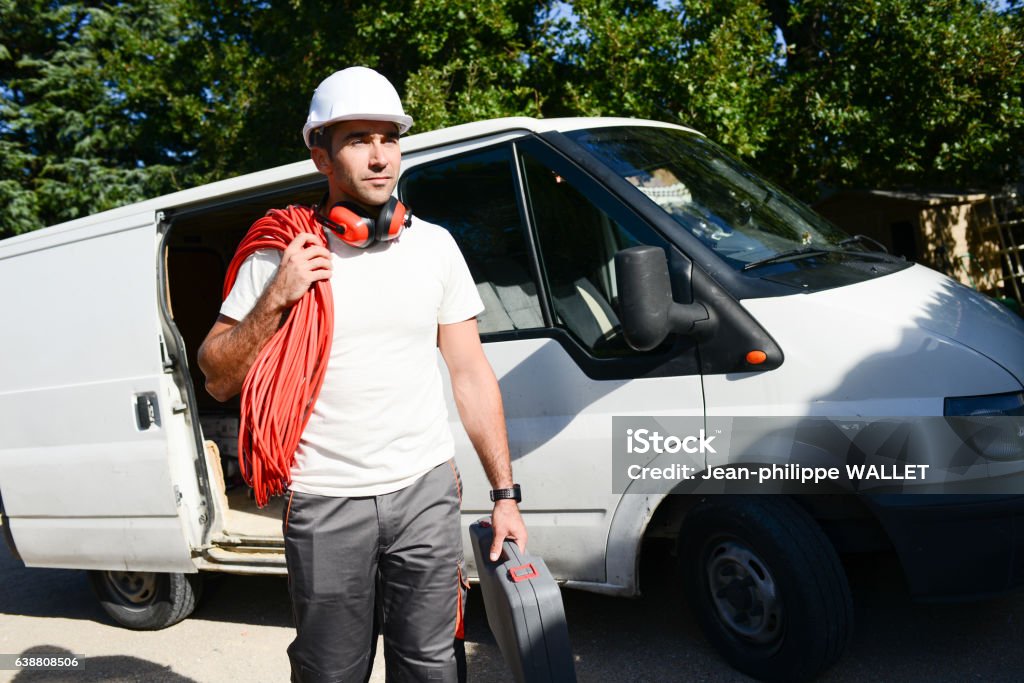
point(989, 424)
point(990, 404)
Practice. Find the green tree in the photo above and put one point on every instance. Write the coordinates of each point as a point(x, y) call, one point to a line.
point(872, 93)
point(452, 61)
point(705, 63)
point(106, 103)
point(457, 61)
point(895, 93)
point(85, 110)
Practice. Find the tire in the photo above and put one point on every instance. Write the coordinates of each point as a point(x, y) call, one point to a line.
point(766, 586)
point(146, 601)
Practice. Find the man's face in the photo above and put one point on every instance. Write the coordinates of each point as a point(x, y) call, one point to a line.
point(363, 162)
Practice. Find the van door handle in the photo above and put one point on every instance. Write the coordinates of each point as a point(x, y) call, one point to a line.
point(147, 411)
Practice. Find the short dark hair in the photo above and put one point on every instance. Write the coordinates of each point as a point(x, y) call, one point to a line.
point(320, 137)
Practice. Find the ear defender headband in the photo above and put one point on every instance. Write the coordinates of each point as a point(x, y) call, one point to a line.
point(355, 227)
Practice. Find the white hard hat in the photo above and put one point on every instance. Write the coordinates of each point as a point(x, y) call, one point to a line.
point(355, 93)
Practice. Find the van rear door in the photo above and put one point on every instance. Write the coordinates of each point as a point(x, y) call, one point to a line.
point(96, 455)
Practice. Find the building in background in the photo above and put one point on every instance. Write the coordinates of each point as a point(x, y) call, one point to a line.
point(977, 239)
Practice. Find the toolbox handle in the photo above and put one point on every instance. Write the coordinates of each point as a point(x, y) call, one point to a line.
point(523, 572)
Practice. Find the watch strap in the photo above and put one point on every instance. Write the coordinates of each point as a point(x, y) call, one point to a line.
point(514, 493)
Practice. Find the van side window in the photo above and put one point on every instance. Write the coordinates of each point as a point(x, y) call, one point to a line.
point(473, 196)
point(578, 242)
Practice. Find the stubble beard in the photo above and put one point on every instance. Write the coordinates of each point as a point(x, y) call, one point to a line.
point(366, 195)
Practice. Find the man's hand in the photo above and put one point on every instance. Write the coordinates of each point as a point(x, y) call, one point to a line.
point(303, 262)
point(507, 524)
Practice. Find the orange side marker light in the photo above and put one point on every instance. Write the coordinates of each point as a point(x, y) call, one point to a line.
point(756, 357)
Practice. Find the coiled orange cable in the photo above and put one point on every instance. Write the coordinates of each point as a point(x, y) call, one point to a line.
point(283, 383)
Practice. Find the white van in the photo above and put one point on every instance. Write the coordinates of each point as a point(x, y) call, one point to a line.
point(114, 459)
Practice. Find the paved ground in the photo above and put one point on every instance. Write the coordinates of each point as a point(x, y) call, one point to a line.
point(242, 627)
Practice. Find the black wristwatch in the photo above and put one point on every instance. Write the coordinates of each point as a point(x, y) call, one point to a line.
point(513, 493)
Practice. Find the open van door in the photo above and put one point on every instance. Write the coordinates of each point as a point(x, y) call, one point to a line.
point(97, 452)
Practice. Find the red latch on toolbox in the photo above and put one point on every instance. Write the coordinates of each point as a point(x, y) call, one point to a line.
point(523, 573)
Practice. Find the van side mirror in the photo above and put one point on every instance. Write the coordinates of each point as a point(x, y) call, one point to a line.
point(648, 313)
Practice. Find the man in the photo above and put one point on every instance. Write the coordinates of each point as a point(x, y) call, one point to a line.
point(374, 490)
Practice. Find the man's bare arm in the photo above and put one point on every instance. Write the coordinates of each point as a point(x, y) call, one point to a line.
point(478, 400)
point(231, 347)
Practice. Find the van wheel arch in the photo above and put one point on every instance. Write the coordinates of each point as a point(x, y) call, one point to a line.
point(146, 601)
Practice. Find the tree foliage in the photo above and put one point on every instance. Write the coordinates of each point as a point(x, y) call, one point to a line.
point(84, 111)
point(706, 63)
point(896, 93)
point(105, 103)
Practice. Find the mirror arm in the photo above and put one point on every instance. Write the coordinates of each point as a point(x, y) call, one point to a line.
point(692, 320)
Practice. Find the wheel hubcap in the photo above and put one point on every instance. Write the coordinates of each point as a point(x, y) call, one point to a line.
point(744, 593)
point(136, 588)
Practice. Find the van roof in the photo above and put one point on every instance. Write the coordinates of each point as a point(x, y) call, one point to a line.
point(130, 213)
point(477, 129)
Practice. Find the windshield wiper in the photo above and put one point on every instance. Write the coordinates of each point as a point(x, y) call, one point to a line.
point(864, 239)
point(791, 254)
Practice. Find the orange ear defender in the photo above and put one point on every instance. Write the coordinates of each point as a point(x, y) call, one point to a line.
point(355, 227)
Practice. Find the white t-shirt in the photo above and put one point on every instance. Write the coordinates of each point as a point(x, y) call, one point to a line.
point(380, 421)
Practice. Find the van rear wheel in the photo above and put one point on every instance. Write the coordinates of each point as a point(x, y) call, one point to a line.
point(146, 601)
point(766, 586)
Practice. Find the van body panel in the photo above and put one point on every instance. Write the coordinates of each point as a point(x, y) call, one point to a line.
point(944, 306)
point(132, 472)
point(154, 544)
point(78, 230)
point(559, 424)
point(86, 300)
point(865, 350)
point(87, 410)
point(629, 525)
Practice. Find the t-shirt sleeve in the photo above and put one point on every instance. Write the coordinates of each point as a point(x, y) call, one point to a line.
point(460, 300)
point(253, 276)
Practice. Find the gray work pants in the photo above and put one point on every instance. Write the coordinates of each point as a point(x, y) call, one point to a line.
point(342, 552)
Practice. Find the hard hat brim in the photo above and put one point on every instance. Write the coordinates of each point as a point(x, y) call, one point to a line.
point(404, 123)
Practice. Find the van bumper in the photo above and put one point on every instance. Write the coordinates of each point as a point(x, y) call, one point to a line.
point(953, 546)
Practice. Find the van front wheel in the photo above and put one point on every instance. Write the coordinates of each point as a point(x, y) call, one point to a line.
point(146, 601)
point(766, 586)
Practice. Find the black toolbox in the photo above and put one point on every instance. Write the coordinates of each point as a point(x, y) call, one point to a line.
point(524, 610)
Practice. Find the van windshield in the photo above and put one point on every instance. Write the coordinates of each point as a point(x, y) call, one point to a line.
point(745, 220)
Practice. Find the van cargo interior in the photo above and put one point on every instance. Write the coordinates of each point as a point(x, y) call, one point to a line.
point(199, 246)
